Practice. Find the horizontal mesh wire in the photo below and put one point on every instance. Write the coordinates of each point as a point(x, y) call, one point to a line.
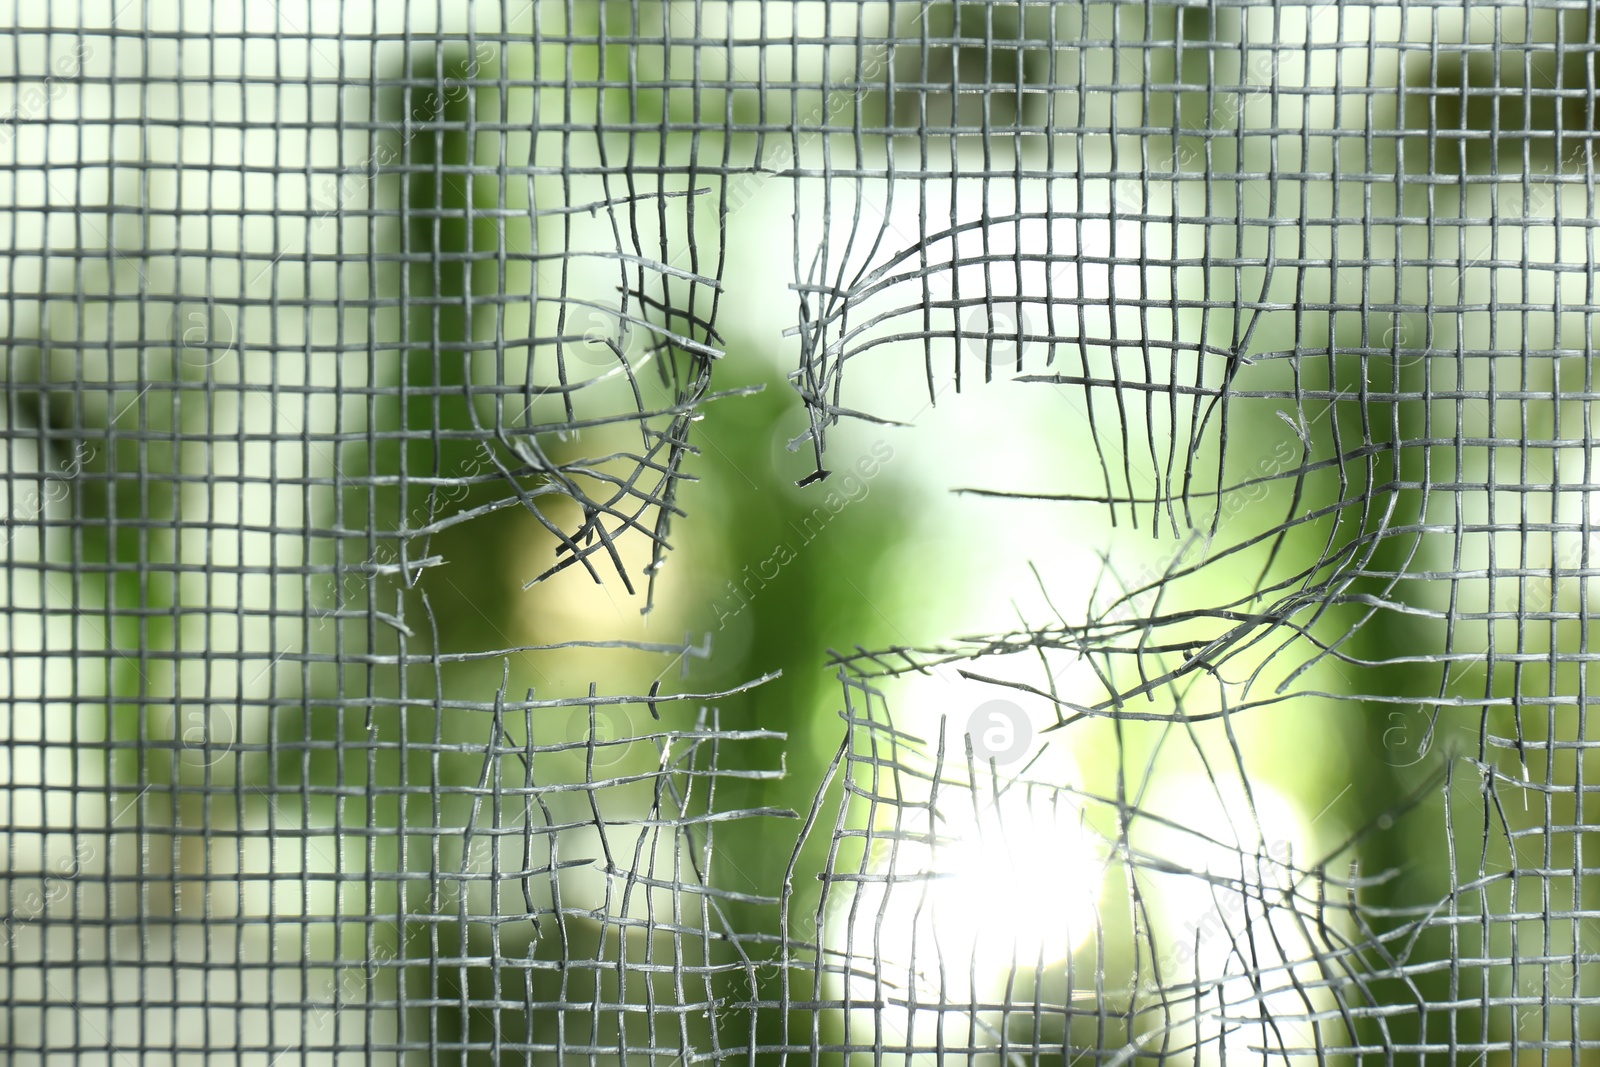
point(304, 300)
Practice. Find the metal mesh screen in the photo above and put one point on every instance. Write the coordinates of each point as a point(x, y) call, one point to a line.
point(310, 305)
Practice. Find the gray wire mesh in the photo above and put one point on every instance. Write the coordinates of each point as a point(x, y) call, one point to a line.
point(297, 292)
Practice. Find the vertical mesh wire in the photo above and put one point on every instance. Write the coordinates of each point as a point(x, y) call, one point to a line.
point(302, 296)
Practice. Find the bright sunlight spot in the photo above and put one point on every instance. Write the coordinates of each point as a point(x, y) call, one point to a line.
point(987, 888)
point(1236, 925)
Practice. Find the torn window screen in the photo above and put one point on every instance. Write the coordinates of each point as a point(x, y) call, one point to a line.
point(390, 387)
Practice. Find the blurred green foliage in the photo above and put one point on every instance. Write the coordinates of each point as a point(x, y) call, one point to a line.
point(350, 761)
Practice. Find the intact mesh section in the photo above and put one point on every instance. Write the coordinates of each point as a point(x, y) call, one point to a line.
point(310, 304)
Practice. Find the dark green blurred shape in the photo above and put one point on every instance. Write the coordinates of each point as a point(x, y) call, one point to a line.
point(1468, 109)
